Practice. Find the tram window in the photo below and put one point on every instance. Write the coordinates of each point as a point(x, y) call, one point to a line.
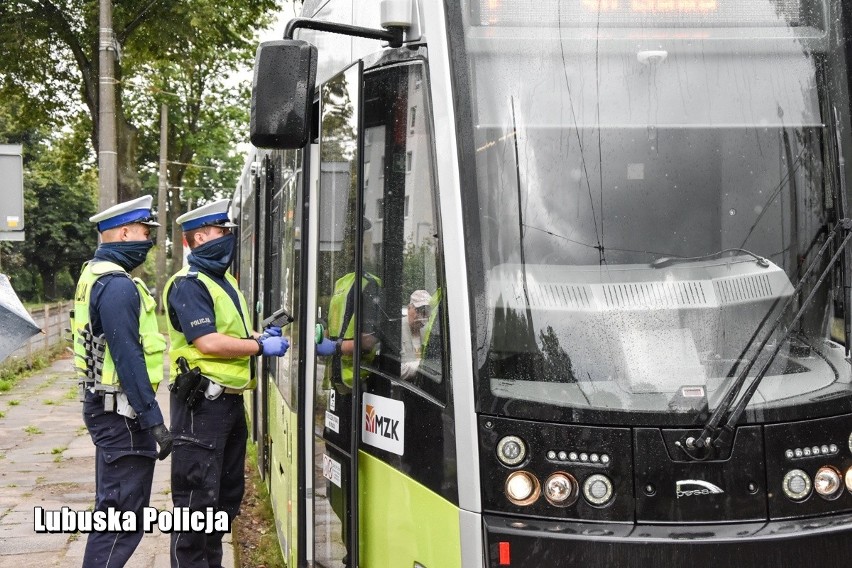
point(403, 246)
point(284, 263)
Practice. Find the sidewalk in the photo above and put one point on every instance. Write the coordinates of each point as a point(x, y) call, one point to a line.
point(47, 460)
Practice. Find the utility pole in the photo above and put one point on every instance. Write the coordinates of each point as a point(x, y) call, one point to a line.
point(107, 139)
point(161, 205)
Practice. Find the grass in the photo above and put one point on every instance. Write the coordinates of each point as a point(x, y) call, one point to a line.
point(2, 414)
point(12, 371)
point(72, 393)
point(48, 402)
point(255, 537)
point(33, 430)
point(58, 450)
point(51, 380)
point(14, 402)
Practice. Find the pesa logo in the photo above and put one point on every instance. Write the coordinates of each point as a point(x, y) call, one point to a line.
point(701, 488)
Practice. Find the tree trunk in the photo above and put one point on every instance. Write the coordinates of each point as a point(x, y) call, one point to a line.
point(175, 211)
point(129, 184)
point(48, 282)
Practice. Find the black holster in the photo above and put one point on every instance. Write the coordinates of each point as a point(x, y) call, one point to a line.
point(189, 385)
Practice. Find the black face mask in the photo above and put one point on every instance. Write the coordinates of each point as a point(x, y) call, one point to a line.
point(214, 256)
point(127, 254)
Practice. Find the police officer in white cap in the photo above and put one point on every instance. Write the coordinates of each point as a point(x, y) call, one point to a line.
point(209, 330)
point(119, 360)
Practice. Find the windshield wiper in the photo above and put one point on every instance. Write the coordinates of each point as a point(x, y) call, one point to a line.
point(840, 197)
point(670, 260)
point(713, 437)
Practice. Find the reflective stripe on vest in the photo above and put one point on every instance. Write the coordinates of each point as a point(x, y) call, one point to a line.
point(427, 329)
point(152, 341)
point(230, 372)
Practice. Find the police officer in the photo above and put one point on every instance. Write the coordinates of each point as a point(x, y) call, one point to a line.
point(416, 317)
point(340, 344)
point(119, 359)
point(208, 328)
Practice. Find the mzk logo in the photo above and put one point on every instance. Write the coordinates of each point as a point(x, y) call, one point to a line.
point(692, 487)
point(381, 425)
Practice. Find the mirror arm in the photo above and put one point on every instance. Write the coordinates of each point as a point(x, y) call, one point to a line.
point(393, 35)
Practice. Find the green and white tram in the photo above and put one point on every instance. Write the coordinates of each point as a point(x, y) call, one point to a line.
point(600, 281)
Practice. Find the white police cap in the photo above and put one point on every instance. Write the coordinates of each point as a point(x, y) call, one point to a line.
point(215, 214)
point(133, 211)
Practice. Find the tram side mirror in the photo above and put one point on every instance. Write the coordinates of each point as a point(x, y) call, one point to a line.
point(282, 92)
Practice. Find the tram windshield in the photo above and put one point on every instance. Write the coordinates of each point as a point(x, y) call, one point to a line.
point(654, 178)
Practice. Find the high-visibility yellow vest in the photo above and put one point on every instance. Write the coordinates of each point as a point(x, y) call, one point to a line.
point(433, 313)
point(152, 341)
point(336, 313)
point(230, 372)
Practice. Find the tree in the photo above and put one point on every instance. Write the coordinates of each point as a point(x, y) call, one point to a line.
point(181, 53)
point(201, 137)
point(59, 236)
point(51, 57)
point(60, 185)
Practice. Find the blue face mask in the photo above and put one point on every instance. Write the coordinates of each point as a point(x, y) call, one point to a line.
point(214, 256)
point(127, 254)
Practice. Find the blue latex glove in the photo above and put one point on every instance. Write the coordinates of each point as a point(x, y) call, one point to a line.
point(274, 346)
point(326, 347)
point(271, 331)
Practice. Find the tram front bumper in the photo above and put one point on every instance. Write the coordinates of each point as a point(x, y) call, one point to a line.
point(533, 543)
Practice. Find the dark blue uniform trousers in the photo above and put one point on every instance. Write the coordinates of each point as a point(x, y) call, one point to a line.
point(208, 464)
point(124, 469)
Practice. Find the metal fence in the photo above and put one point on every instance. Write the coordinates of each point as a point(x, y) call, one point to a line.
point(53, 321)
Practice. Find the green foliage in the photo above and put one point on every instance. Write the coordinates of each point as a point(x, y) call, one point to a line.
point(13, 370)
point(416, 264)
point(338, 131)
point(179, 53)
point(256, 524)
point(59, 197)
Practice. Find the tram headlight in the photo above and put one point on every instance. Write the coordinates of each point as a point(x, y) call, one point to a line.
point(597, 489)
point(796, 484)
point(827, 482)
point(522, 488)
point(561, 489)
point(511, 450)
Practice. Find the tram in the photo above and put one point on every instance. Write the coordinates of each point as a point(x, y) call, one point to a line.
point(623, 229)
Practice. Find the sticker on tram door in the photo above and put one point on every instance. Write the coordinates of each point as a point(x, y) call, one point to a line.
point(331, 470)
point(383, 423)
point(332, 422)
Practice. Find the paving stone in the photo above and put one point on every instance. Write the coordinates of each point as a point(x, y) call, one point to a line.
point(32, 475)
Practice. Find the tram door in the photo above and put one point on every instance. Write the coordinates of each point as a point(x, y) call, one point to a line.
point(378, 220)
point(337, 232)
